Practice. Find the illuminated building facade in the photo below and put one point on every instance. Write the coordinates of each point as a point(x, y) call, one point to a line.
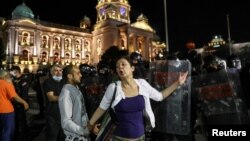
point(32, 42)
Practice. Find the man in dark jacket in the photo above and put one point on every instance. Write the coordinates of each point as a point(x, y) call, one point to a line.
point(21, 83)
point(52, 88)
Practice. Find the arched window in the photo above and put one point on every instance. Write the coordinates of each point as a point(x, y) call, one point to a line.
point(67, 58)
point(77, 45)
point(44, 57)
point(45, 41)
point(25, 38)
point(56, 57)
point(57, 43)
point(25, 55)
point(87, 46)
point(67, 44)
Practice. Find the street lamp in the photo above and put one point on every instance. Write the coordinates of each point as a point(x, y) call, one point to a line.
point(166, 24)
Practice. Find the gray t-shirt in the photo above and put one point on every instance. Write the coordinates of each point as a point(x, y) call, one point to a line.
point(74, 116)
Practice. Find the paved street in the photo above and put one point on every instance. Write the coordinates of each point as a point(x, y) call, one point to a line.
point(35, 123)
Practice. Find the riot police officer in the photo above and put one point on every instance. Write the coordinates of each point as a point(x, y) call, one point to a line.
point(140, 69)
point(21, 83)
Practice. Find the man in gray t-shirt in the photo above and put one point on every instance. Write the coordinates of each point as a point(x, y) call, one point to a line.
point(74, 116)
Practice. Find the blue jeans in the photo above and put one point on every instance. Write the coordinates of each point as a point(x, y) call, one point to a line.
point(7, 126)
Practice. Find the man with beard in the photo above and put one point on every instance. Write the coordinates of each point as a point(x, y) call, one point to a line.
point(52, 88)
point(74, 117)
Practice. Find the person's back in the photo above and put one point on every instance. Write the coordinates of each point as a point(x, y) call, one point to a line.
point(6, 110)
point(7, 114)
point(5, 98)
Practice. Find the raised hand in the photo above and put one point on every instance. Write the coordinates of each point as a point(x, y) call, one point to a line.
point(182, 77)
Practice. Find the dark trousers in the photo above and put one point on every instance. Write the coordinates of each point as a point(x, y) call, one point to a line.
point(54, 130)
point(21, 129)
point(7, 126)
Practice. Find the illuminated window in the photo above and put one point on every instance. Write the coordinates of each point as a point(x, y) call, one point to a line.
point(44, 42)
point(25, 55)
point(25, 38)
point(87, 46)
point(44, 57)
point(102, 11)
point(67, 58)
point(56, 57)
point(78, 45)
point(57, 43)
point(67, 44)
point(123, 11)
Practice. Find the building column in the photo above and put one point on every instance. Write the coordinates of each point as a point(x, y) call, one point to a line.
point(16, 41)
point(83, 49)
point(73, 48)
point(10, 45)
point(51, 39)
point(147, 48)
point(37, 43)
point(134, 43)
point(62, 49)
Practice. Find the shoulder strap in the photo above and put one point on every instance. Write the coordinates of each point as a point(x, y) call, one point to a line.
point(113, 97)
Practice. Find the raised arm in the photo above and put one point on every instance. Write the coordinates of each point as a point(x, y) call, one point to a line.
point(169, 90)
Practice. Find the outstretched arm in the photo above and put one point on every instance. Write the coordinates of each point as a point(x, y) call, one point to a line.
point(182, 78)
point(97, 114)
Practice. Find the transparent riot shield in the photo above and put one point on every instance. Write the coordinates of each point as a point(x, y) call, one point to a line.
point(172, 114)
point(93, 89)
point(219, 97)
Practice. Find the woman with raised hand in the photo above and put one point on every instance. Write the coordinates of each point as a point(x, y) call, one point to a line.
point(132, 98)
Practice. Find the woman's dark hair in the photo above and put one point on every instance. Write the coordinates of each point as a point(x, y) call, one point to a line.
point(140, 70)
point(126, 57)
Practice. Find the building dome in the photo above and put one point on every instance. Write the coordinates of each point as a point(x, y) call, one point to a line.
point(142, 23)
point(86, 19)
point(108, 1)
point(85, 22)
point(22, 11)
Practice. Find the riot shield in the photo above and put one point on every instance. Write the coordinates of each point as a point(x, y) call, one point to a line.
point(172, 114)
point(93, 89)
point(219, 97)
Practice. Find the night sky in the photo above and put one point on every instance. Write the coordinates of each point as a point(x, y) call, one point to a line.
point(195, 20)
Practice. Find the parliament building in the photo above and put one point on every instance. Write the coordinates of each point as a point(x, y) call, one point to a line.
point(31, 42)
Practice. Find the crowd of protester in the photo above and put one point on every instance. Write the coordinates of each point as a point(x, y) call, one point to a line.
point(93, 81)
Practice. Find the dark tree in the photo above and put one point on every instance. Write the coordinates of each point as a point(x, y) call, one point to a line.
point(2, 52)
point(110, 56)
